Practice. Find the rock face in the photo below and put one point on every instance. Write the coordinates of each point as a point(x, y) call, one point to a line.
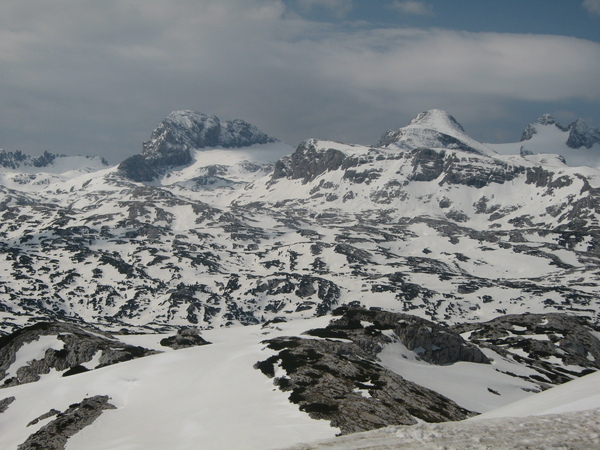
point(182, 131)
point(79, 346)
point(185, 338)
point(5, 403)
point(337, 377)
point(581, 135)
point(559, 347)
point(78, 416)
point(433, 343)
point(340, 382)
point(308, 162)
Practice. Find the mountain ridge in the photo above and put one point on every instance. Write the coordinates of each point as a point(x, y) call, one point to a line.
point(227, 241)
point(183, 131)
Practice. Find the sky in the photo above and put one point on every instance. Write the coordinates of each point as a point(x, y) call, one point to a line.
point(95, 78)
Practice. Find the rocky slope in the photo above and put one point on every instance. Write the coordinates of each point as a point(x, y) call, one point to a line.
point(429, 222)
point(60, 347)
point(439, 279)
point(351, 372)
point(181, 132)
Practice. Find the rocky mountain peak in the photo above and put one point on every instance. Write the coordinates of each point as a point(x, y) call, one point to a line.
point(582, 135)
point(434, 128)
point(185, 130)
point(546, 119)
point(193, 130)
point(436, 119)
point(532, 129)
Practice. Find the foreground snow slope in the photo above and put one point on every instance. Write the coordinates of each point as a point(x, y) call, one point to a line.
point(578, 430)
point(578, 395)
point(212, 396)
point(202, 397)
point(578, 425)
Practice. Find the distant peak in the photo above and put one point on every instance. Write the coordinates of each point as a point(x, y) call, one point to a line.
point(436, 119)
point(434, 128)
point(188, 118)
point(582, 135)
point(531, 129)
point(546, 119)
point(185, 130)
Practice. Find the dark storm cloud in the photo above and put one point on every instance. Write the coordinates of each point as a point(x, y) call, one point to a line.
point(95, 77)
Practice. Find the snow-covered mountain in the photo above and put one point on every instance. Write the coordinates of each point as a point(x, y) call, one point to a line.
point(244, 235)
point(577, 143)
point(426, 257)
point(434, 128)
point(22, 172)
point(182, 132)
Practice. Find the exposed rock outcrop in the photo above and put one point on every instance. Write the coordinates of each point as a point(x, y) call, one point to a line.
point(5, 403)
point(581, 135)
point(559, 347)
point(185, 337)
point(78, 416)
point(340, 382)
point(308, 162)
point(79, 346)
point(433, 343)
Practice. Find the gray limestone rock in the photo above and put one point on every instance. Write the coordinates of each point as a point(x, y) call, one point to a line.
point(538, 339)
point(55, 434)
point(5, 403)
point(339, 381)
point(80, 345)
point(308, 162)
point(581, 135)
point(432, 343)
point(185, 337)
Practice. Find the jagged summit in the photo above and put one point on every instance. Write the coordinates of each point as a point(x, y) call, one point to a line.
point(577, 135)
point(193, 130)
point(546, 119)
point(582, 135)
point(182, 131)
point(436, 119)
point(434, 128)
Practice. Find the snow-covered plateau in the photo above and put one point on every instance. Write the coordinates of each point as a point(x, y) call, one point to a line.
point(223, 289)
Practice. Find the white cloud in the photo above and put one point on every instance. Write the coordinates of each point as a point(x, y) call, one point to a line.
point(339, 7)
point(593, 6)
point(90, 77)
point(412, 7)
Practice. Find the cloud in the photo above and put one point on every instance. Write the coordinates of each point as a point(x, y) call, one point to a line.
point(96, 77)
point(412, 7)
point(592, 6)
point(339, 7)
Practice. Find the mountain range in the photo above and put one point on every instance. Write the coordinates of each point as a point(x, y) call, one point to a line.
point(426, 257)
